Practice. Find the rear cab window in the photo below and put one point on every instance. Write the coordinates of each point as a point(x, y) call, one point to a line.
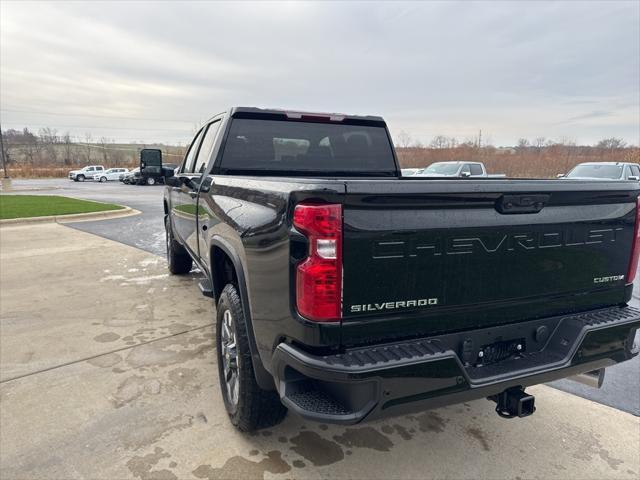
point(476, 170)
point(603, 171)
point(279, 145)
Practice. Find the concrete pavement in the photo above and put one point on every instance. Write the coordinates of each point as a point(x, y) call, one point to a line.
point(108, 371)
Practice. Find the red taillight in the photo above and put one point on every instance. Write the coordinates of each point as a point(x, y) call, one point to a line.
point(635, 248)
point(319, 277)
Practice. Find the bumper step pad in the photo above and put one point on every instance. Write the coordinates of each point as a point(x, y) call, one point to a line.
point(363, 382)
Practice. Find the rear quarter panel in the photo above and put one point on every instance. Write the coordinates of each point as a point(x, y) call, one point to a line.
point(253, 217)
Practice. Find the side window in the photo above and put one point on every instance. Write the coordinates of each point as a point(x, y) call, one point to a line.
point(90, 169)
point(476, 169)
point(465, 169)
point(205, 148)
point(187, 165)
point(635, 170)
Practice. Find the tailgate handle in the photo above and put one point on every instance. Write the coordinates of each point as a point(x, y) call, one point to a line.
point(511, 204)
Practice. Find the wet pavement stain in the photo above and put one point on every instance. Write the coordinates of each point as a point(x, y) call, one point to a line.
point(176, 328)
point(365, 437)
point(299, 464)
point(105, 361)
point(148, 433)
point(480, 436)
point(201, 417)
point(153, 354)
point(588, 445)
point(142, 466)
point(403, 432)
point(185, 378)
point(106, 337)
point(240, 467)
point(430, 422)
point(316, 449)
point(134, 387)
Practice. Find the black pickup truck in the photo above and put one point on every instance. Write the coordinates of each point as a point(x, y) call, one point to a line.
point(346, 292)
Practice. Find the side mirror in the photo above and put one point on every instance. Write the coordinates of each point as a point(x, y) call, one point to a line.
point(560, 175)
point(635, 178)
point(465, 174)
point(168, 172)
point(173, 181)
point(150, 161)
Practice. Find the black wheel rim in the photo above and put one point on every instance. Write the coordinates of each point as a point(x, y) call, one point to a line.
point(230, 360)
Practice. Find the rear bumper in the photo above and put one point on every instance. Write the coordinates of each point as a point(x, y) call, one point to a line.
point(391, 379)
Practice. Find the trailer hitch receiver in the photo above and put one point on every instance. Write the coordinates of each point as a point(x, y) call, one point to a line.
point(514, 402)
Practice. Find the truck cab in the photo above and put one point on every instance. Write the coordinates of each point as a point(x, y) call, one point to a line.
point(454, 169)
point(85, 173)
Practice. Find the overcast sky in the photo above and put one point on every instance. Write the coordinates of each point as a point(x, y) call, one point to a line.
point(152, 70)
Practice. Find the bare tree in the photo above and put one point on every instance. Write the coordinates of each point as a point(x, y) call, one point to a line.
point(68, 149)
point(32, 146)
point(612, 143)
point(566, 141)
point(403, 139)
point(104, 141)
point(87, 145)
point(49, 138)
point(439, 141)
point(523, 143)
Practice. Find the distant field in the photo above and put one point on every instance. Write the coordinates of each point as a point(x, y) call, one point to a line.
point(530, 162)
point(24, 206)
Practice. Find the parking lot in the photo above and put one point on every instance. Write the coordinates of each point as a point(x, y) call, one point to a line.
point(105, 375)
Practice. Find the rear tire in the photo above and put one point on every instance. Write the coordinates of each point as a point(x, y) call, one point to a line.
point(249, 407)
point(151, 181)
point(178, 259)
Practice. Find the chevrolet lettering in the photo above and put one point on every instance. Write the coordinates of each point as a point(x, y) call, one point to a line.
point(507, 242)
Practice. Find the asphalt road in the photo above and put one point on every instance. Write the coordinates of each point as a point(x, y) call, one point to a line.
point(621, 388)
point(144, 231)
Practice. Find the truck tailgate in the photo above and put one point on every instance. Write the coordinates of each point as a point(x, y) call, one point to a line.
point(422, 257)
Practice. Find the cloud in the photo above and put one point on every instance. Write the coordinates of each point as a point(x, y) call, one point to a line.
point(514, 70)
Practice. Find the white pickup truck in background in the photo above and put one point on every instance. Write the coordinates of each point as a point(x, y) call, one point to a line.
point(456, 169)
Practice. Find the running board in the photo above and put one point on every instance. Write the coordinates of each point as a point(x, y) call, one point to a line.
point(206, 288)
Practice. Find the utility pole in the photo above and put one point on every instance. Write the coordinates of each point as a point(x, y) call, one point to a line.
point(480, 139)
point(4, 154)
